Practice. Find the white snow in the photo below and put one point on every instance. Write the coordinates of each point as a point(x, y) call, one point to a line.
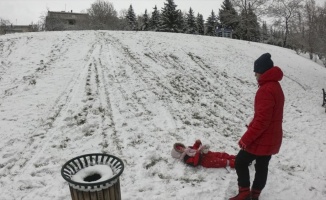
point(103, 171)
point(134, 94)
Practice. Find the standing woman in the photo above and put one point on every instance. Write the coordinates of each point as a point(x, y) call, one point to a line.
point(263, 137)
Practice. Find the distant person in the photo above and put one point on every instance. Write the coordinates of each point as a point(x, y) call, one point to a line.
point(263, 137)
point(199, 154)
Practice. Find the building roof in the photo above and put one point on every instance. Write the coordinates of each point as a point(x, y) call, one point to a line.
point(66, 13)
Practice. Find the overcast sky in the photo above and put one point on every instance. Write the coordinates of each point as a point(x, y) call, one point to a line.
point(24, 12)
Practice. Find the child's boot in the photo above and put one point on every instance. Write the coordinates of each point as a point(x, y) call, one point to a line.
point(244, 194)
point(255, 194)
point(232, 163)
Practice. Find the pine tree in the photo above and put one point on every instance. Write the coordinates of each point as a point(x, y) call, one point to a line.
point(170, 17)
point(228, 16)
point(253, 25)
point(131, 17)
point(145, 25)
point(191, 23)
point(181, 22)
point(211, 24)
point(200, 24)
point(264, 32)
point(154, 22)
point(242, 26)
point(248, 28)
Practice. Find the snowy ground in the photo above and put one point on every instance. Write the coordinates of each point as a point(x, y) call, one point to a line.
point(132, 95)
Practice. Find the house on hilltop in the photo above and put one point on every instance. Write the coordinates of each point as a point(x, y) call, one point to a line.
point(58, 21)
point(224, 32)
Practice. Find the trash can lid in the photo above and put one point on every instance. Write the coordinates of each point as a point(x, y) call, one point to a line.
point(92, 171)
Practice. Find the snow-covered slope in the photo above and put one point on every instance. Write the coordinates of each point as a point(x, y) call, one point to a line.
point(134, 94)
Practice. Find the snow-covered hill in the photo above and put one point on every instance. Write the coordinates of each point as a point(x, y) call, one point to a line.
point(134, 94)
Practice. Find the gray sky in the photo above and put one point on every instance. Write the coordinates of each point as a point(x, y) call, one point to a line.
point(24, 12)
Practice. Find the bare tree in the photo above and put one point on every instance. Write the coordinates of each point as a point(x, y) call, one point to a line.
point(103, 15)
point(283, 11)
point(42, 20)
point(258, 6)
point(322, 33)
point(312, 33)
point(3, 25)
point(297, 32)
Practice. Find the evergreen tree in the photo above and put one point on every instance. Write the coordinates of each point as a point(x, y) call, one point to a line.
point(191, 23)
point(170, 17)
point(276, 38)
point(248, 28)
point(154, 22)
point(200, 24)
point(242, 26)
point(228, 16)
point(181, 22)
point(131, 17)
point(253, 26)
point(211, 24)
point(264, 32)
point(145, 25)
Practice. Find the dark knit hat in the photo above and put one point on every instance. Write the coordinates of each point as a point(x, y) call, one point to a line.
point(263, 63)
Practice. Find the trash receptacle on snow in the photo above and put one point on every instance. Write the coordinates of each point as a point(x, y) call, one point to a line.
point(93, 177)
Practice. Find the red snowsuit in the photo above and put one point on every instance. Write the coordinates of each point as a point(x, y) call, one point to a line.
point(209, 160)
point(264, 134)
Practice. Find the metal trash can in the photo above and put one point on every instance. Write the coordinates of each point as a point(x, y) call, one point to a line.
point(93, 177)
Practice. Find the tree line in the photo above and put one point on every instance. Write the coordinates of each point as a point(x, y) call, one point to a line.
point(295, 24)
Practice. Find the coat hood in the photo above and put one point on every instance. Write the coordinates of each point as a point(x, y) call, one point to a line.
point(176, 152)
point(272, 75)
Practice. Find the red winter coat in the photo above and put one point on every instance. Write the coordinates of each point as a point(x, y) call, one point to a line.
point(209, 159)
point(264, 134)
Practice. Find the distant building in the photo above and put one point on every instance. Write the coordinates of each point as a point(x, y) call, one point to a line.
point(58, 21)
point(16, 29)
point(224, 32)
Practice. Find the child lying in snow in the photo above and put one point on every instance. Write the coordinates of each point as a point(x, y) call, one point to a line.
point(199, 154)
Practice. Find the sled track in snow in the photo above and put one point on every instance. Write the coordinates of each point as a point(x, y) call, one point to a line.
point(90, 89)
point(58, 51)
point(40, 137)
point(141, 71)
point(153, 84)
point(88, 82)
point(104, 81)
point(304, 87)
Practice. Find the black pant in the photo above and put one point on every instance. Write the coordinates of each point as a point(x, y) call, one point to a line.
point(242, 163)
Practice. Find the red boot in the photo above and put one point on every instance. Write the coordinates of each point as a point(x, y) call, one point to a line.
point(232, 163)
point(244, 194)
point(255, 194)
